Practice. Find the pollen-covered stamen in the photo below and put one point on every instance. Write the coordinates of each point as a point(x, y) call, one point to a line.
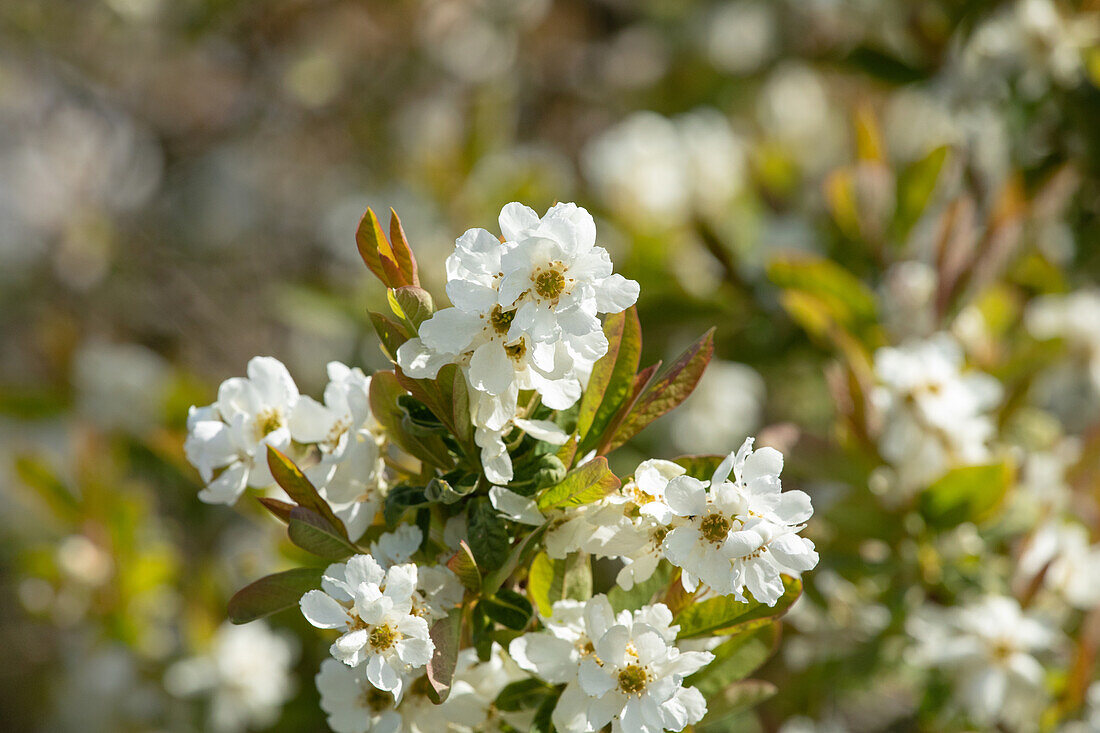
point(383, 637)
point(516, 351)
point(501, 320)
point(715, 528)
point(268, 421)
point(1002, 650)
point(633, 679)
point(549, 281)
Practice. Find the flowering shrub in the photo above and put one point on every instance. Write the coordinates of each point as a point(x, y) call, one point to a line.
point(466, 492)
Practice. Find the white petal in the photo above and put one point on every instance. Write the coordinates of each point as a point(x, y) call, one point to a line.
point(543, 430)
point(570, 714)
point(420, 362)
point(272, 381)
point(616, 294)
point(611, 647)
point(593, 678)
point(471, 297)
point(491, 369)
point(515, 220)
point(450, 331)
point(552, 659)
point(322, 611)
point(227, 487)
point(559, 394)
point(763, 462)
point(686, 496)
point(310, 421)
point(522, 509)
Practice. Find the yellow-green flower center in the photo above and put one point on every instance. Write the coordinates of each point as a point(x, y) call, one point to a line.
point(268, 421)
point(501, 320)
point(715, 528)
point(516, 351)
point(550, 284)
point(382, 637)
point(633, 679)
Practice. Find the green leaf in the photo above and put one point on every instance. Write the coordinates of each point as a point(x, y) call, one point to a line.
point(412, 305)
point(612, 377)
point(313, 533)
point(508, 608)
point(460, 408)
point(542, 722)
point(401, 498)
point(517, 555)
point(666, 393)
point(402, 252)
point(280, 509)
point(825, 290)
point(700, 467)
point(916, 184)
point(391, 334)
point(272, 593)
point(966, 494)
point(393, 264)
point(591, 482)
point(465, 567)
point(487, 533)
point(445, 634)
point(721, 615)
point(438, 395)
point(523, 695)
point(385, 393)
point(736, 658)
point(733, 701)
point(39, 476)
point(295, 483)
point(550, 580)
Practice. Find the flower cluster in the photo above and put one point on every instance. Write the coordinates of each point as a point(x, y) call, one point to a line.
point(991, 647)
point(935, 415)
point(383, 612)
point(730, 535)
point(455, 504)
point(623, 669)
point(524, 317)
point(338, 440)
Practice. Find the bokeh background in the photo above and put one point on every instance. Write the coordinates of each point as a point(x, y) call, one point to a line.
point(180, 182)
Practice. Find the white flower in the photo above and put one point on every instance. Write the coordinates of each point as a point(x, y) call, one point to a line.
point(346, 408)
point(246, 674)
point(628, 525)
point(559, 280)
point(354, 705)
point(989, 647)
point(474, 690)
point(935, 414)
point(499, 356)
point(742, 533)
point(233, 433)
point(617, 668)
point(635, 682)
point(374, 609)
point(1070, 565)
